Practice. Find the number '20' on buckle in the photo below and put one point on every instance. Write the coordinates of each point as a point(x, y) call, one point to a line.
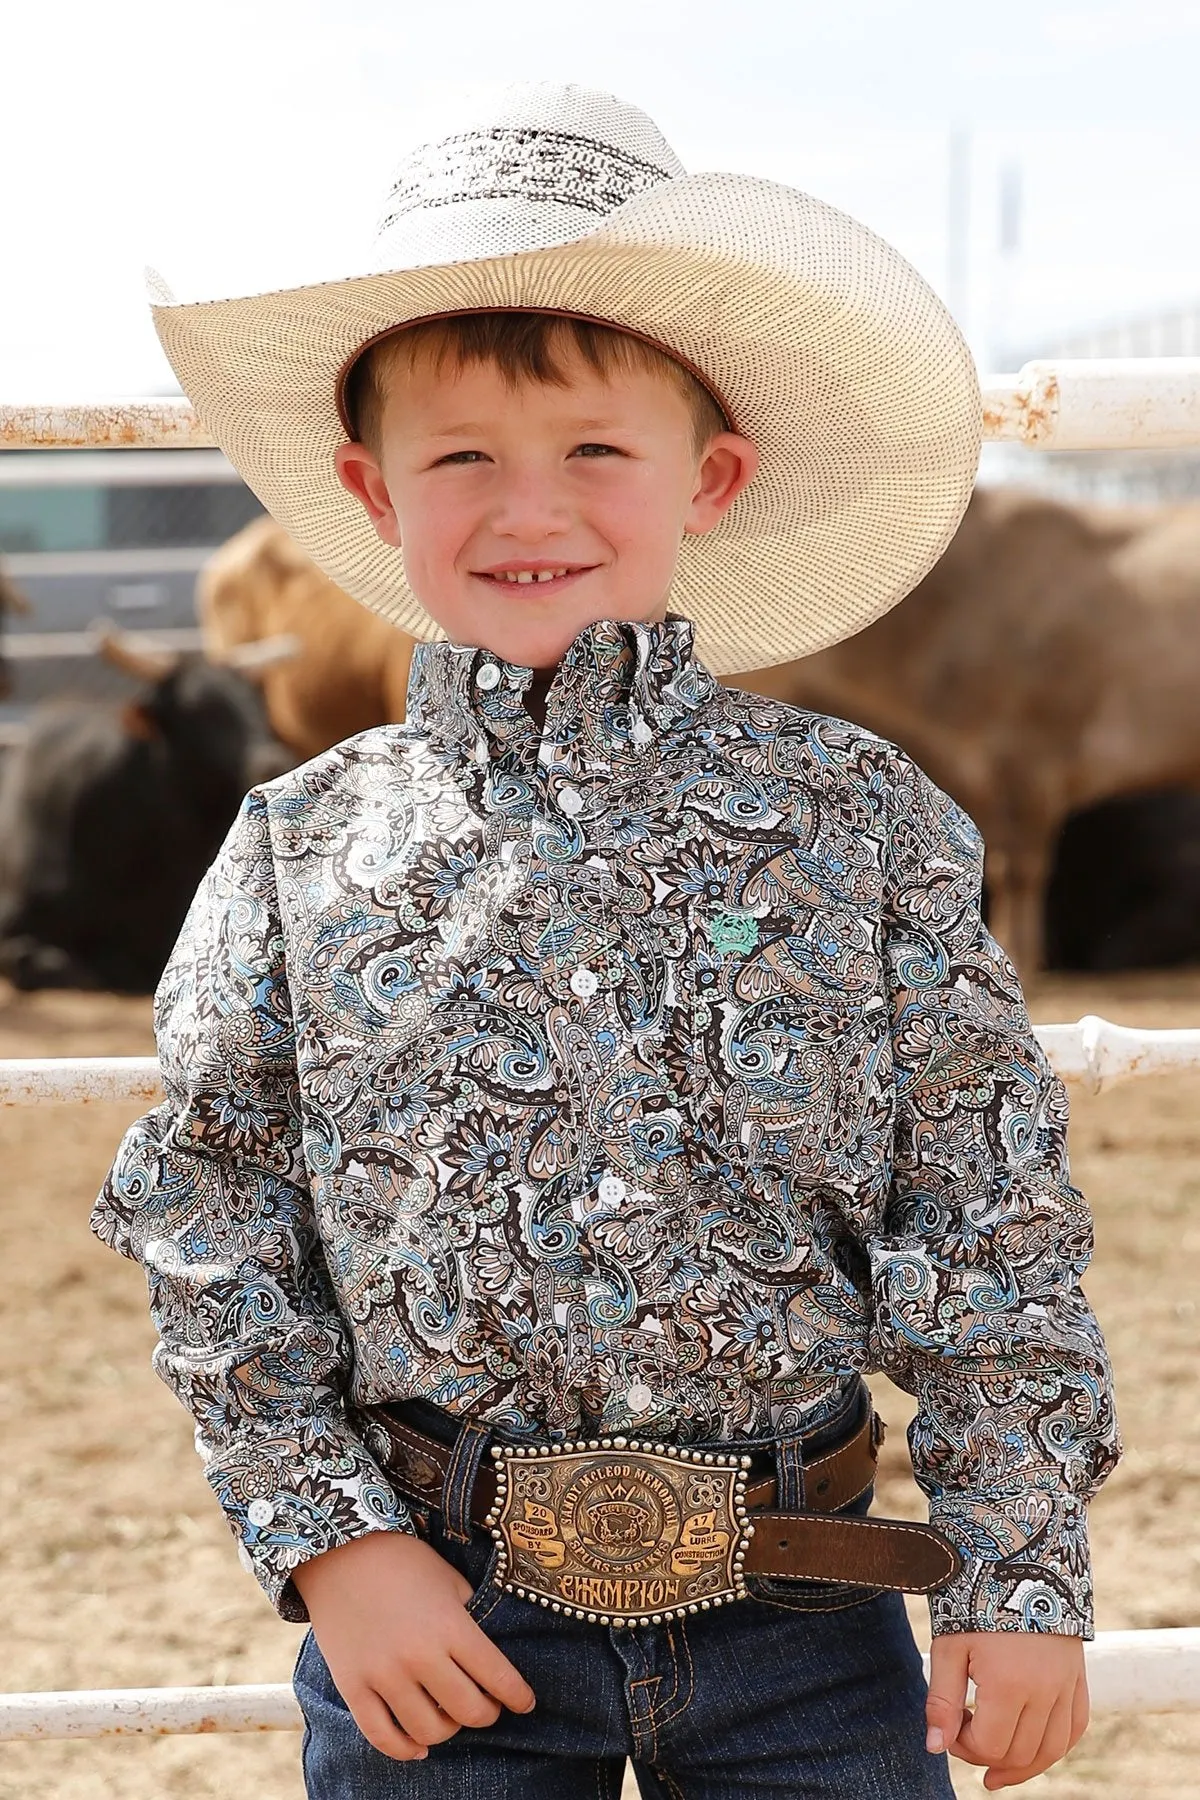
point(620, 1532)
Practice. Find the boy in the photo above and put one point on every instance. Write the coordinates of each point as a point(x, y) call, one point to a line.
point(572, 1092)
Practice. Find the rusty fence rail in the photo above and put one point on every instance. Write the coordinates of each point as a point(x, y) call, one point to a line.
point(1093, 1052)
point(1124, 403)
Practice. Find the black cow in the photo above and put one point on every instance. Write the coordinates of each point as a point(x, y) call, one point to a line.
point(109, 817)
point(1125, 890)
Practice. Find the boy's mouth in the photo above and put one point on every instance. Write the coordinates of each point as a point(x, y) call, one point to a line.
point(544, 577)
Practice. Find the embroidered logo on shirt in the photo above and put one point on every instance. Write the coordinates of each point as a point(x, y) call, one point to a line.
point(733, 932)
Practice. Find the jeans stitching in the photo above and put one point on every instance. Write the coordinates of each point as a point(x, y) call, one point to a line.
point(789, 1463)
point(860, 1598)
point(647, 1720)
point(655, 1704)
point(681, 1708)
point(459, 1479)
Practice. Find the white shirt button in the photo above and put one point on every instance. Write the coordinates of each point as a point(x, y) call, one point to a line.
point(612, 1190)
point(570, 801)
point(584, 983)
point(487, 675)
point(260, 1512)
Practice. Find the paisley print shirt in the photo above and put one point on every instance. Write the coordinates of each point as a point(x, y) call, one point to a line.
point(649, 1071)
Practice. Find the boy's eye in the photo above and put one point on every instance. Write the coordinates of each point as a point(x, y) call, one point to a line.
point(460, 456)
point(595, 450)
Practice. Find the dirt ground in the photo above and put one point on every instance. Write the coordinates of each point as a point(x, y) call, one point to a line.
point(119, 1571)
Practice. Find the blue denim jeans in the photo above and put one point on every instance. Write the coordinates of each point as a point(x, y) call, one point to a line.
point(806, 1691)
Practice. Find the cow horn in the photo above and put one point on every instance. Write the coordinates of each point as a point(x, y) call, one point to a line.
point(138, 656)
point(261, 653)
point(12, 599)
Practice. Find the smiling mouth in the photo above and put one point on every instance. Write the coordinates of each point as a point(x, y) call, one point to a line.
point(542, 579)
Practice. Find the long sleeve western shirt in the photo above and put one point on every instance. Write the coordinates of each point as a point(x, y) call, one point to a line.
point(650, 1071)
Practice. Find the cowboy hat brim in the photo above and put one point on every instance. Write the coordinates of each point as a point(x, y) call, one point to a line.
point(826, 346)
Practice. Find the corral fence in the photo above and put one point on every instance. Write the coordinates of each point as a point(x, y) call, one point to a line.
point(1123, 404)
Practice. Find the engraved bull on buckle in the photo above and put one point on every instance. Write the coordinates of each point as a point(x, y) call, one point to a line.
point(620, 1532)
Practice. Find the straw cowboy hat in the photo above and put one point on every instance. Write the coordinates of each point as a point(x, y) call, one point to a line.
point(824, 346)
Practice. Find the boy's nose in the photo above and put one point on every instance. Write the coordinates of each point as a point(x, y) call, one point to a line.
point(530, 508)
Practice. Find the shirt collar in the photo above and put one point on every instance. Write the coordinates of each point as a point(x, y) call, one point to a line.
point(629, 680)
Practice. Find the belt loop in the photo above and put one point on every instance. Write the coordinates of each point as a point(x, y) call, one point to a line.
point(789, 1474)
point(459, 1480)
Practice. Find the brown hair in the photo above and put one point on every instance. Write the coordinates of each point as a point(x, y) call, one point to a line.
point(523, 346)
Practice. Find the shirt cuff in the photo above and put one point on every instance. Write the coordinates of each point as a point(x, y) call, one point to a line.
point(287, 1501)
point(1027, 1569)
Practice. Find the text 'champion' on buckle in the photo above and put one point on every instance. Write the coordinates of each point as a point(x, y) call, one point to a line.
point(620, 1532)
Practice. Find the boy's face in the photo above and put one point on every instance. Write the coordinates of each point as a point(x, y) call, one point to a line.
point(587, 488)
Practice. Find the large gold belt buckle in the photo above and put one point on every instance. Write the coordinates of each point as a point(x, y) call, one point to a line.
point(620, 1532)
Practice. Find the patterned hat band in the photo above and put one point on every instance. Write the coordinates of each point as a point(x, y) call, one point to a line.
point(520, 163)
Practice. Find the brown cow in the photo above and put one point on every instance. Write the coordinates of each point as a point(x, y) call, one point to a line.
point(350, 669)
point(1051, 660)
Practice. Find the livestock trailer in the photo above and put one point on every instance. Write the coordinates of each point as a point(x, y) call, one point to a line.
point(118, 534)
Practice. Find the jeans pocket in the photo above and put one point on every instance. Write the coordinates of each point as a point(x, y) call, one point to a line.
point(476, 1560)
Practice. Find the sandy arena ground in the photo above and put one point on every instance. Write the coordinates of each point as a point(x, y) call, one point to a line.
point(119, 1571)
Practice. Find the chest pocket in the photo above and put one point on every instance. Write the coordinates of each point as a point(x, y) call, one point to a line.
point(789, 1034)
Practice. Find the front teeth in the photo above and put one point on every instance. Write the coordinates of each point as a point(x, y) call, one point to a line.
point(532, 574)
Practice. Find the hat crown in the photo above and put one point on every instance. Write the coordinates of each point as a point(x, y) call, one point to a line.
point(529, 166)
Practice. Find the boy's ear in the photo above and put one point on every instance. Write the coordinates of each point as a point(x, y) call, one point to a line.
point(359, 473)
point(728, 465)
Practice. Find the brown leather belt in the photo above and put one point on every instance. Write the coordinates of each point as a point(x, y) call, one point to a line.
point(626, 1531)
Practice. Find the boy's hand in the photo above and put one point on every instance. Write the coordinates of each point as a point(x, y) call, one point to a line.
point(411, 1664)
point(1031, 1701)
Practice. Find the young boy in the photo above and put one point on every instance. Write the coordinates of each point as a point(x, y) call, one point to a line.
point(573, 1091)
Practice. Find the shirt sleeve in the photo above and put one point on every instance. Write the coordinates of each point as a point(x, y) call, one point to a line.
point(978, 1309)
point(209, 1193)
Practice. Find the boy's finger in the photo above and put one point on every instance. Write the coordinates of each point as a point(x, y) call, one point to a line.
point(945, 1704)
point(419, 1715)
point(1022, 1763)
point(489, 1666)
point(988, 1734)
point(1030, 1734)
point(377, 1722)
point(1081, 1710)
point(459, 1696)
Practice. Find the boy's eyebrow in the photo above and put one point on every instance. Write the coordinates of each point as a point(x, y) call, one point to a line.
point(469, 428)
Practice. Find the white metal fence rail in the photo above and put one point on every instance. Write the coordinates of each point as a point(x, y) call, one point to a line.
point(1128, 1671)
point(1135, 403)
point(1128, 403)
point(1094, 1052)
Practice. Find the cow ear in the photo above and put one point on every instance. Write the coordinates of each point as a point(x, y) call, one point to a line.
point(137, 721)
